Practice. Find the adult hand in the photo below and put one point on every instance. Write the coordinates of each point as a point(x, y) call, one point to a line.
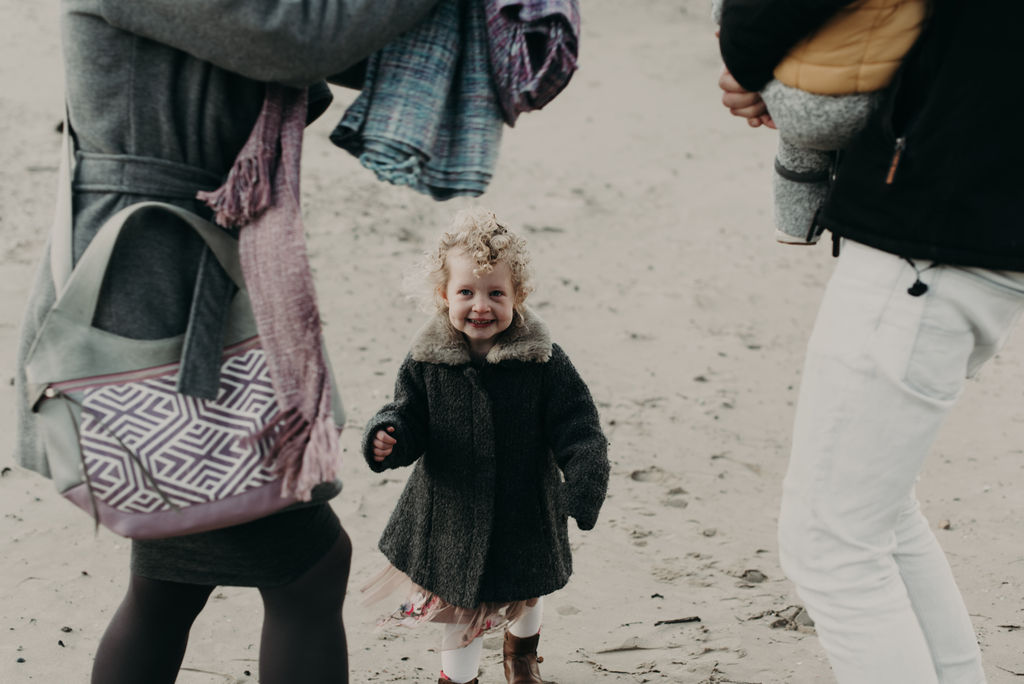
point(383, 443)
point(743, 103)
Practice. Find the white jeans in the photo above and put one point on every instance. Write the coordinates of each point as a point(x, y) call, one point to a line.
point(883, 369)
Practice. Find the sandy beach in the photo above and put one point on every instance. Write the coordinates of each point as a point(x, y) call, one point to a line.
point(647, 208)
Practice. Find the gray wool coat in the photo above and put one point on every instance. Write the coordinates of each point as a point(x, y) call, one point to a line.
point(483, 516)
point(162, 95)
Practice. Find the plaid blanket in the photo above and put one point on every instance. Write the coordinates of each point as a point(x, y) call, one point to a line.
point(533, 47)
point(428, 115)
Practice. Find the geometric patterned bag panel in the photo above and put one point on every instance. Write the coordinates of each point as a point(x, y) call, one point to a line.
point(197, 450)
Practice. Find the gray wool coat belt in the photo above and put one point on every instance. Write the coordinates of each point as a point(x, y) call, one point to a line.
point(504, 451)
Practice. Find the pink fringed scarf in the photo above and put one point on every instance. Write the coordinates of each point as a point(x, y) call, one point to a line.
point(261, 196)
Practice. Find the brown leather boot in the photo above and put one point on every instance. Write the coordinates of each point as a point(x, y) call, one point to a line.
point(521, 660)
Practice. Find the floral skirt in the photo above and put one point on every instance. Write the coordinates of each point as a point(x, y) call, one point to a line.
point(418, 605)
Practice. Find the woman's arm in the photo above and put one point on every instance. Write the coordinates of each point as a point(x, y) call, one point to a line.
point(295, 42)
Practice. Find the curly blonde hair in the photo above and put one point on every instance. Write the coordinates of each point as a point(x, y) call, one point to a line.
point(478, 233)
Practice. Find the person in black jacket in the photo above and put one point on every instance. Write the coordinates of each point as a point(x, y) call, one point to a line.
point(930, 279)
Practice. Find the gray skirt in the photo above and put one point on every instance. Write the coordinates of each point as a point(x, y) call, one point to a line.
point(268, 552)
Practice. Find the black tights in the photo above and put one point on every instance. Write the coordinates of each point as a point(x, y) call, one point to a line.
point(303, 637)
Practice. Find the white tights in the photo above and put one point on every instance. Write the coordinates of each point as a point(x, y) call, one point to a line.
point(463, 664)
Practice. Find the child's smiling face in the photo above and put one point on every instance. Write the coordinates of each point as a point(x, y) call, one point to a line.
point(480, 307)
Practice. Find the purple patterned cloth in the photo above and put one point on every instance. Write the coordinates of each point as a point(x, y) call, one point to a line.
point(261, 195)
point(534, 45)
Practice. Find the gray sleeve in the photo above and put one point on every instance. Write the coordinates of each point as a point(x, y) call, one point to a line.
point(295, 42)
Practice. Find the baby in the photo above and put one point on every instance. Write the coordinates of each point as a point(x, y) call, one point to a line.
point(822, 93)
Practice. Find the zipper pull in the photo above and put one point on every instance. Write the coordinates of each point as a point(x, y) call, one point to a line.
point(901, 142)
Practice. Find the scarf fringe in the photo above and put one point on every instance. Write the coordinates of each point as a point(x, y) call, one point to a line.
point(247, 192)
point(303, 453)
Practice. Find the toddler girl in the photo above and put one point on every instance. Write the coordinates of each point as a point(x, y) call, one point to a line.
point(506, 444)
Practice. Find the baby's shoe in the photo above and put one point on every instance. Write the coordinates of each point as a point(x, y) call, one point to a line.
point(801, 184)
point(798, 196)
point(521, 659)
point(445, 680)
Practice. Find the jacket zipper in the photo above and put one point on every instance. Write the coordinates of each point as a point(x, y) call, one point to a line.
point(901, 143)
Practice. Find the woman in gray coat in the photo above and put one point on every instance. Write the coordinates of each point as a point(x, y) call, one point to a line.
point(161, 95)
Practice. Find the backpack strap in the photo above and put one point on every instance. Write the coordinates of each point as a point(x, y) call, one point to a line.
point(60, 230)
point(78, 297)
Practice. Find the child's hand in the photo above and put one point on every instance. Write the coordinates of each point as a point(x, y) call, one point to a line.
point(575, 507)
point(383, 443)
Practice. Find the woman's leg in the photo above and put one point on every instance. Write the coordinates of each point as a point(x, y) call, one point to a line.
point(883, 369)
point(936, 600)
point(146, 638)
point(303, 635)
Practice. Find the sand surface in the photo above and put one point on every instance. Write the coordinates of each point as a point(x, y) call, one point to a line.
point(647, 208)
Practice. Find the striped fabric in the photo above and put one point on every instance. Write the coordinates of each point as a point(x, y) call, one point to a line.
point(428, 116)
point(533, 45)
point(147, 448)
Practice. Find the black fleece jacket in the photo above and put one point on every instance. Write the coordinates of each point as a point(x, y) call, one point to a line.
point(936, 174)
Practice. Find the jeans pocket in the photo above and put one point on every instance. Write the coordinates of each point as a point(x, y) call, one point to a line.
point(937, 364)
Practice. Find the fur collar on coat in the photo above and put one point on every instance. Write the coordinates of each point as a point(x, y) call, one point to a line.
point(527, 339)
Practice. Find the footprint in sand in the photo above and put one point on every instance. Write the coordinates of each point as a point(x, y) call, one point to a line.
point(648, 474)
point(674, 498)
point(639, 536)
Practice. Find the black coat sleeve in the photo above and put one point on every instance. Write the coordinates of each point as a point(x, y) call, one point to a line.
point(575, 436)
point(757, 34)
point(408, 414)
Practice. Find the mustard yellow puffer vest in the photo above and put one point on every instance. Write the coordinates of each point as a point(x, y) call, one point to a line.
point(857, 50)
